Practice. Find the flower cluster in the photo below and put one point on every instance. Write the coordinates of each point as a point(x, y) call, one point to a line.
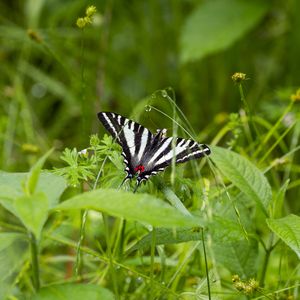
point(88, 18)
point(247, 287)
point(238, 77)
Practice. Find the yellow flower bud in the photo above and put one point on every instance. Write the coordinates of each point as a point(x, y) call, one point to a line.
point(80, 22)
point(87, 20)
point(90, 11)
point(296, 97)
point(238, 77)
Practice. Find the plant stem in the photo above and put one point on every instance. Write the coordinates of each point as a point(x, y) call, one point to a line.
point(78, 262)
point(175, 127)
point(122, 238)
point(272, 130)
point(206, 266)
point(34, 262)
point(109, 253)
point(153, 242)
point(248, 113)
point(266, 261)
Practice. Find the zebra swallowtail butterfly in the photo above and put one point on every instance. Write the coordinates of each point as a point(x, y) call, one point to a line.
point(145, 154)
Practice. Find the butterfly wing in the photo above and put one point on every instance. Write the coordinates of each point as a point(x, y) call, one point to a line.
point(134, 138)
point(161, 155)
point(152, 153)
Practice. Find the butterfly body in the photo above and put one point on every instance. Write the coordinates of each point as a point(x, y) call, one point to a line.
point(145, 154)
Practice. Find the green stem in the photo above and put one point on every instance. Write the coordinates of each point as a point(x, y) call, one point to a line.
point(270, 149)
point(243, 99)
point(273, 129)
point(266, 261)
point(122, 238)
point(34, 261)
point(174, 141)
point(109, 252)
point(153, 242)
point(82, 88)
point(248, 113)
point(206, 265)
point(78, 262)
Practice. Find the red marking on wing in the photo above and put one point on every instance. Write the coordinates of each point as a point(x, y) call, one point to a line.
point(139, 168)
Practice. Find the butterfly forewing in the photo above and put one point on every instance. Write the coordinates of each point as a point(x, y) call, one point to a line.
point(133, 137)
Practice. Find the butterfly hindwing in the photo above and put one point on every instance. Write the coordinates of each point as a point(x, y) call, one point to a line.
point(162, 155)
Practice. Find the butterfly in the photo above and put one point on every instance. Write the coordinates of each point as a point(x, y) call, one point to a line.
point(145, 154)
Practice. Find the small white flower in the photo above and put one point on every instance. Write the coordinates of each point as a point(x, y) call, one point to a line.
point(83, 152)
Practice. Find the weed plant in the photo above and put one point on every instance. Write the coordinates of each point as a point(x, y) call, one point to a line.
point(223, 227)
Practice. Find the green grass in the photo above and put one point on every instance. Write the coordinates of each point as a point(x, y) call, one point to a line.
point(223, 227)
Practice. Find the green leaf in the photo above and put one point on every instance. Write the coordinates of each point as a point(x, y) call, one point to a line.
point(75, 292)
point(288, 229)
point(245, 175)
point(33, 211)
point(33, 175)
point(165, 236)
point(232, 249)
point(14, 250)
point(225, 230)
point(239, 257)
point(216, 25)
point(11, 187)
point(52, 185)
point(138, 207)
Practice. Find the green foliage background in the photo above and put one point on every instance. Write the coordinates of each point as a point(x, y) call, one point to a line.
point(55, 77)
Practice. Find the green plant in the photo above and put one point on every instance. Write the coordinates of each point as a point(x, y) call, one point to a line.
point(225, 227)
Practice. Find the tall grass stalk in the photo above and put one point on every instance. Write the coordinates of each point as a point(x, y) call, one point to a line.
point(206, 264)
point(153, 244)
point(262, 144)
point(78, 262)
point(248, 114)
point(109, 253)
point(34, 261)
point(276, 142)
point(174, 123)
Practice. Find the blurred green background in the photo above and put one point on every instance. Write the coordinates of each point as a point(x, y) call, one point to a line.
point(55, 76)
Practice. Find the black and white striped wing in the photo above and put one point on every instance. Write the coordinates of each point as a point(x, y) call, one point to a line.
point(133, 137)
point(161, 156)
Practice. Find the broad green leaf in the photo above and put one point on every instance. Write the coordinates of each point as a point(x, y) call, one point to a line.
point(74, 291)
point(33, 211)
point(232, 249)
point(226, 230)
point(52, 185)
point(288, 229)
point(138, 207)
point(243, 174)
point(14, 250)
point(239, 257)
point(216, 25)
point(11, 186)
point(165, 236)
point(7, 197)
point(33, 175)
